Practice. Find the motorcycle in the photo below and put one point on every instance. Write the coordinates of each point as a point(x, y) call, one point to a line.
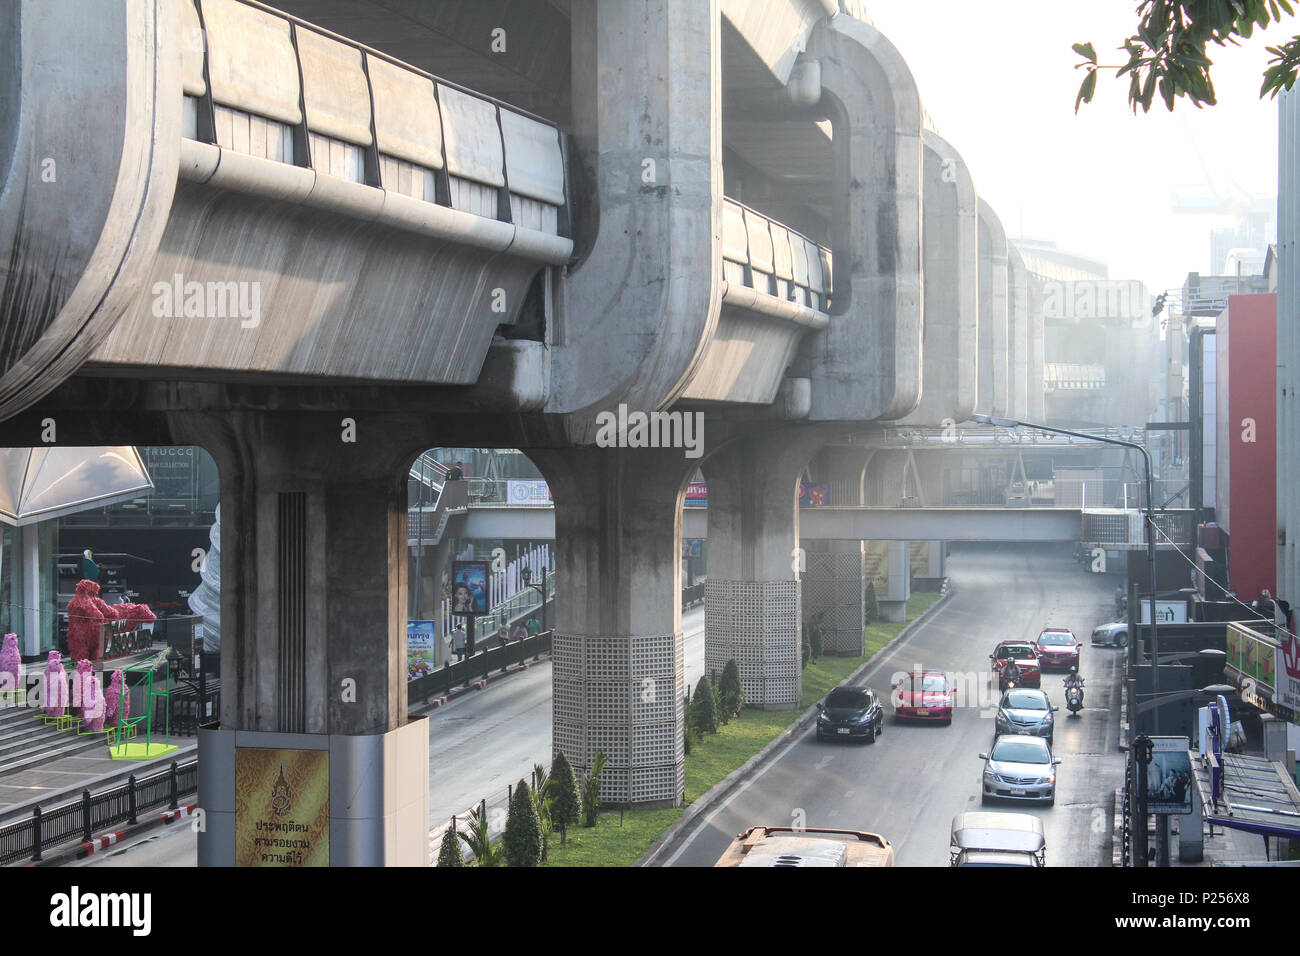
point(1006, 682)
point(1074, 697)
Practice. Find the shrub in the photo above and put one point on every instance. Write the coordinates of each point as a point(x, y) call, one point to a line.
point(730, 693)
point(566, 810)
point(543, 800)
point(480, 843)
point(449, 852)
point(591, 791)
point(703, 713)
point(815, 634)
point(523, 837)
point(807, 653)
point(871, 608)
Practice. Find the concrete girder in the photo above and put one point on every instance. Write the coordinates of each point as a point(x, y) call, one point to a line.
point(951, 233)
point(777, 32)
point(640, 307)
point(867, 365)
point(994, 348)
point(92, 147)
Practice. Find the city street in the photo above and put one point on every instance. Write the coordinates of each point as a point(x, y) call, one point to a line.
point(915, 778)
point(479, 744)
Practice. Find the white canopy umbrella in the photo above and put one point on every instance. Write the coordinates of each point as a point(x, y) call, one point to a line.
point(37, 484)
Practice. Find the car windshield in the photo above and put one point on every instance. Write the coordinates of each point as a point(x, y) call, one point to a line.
point(1021, 653)
point(933, 682)
point(847, 697)
point(1025, 700)
point(1020, 750)
point(1056, 639)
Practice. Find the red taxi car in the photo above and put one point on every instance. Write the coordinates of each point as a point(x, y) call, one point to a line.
point(1057, 647)
point(923, 695)
point(1026, 658)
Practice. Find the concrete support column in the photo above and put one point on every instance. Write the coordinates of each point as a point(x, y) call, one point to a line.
point(752, 609)
point(834, 590)
point(313, 663)
point(893, 603)
point(994, 390)
point(617, 650)
point(834, 584)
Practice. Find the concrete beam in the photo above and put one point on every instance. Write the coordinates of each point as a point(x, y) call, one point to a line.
point(90, 132)
point(951, 347)
point(867, 365)
point(947, 524)
point(994, 349)
point(642, 302)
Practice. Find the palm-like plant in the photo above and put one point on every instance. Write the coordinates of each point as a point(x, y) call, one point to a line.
point(544, 799)
point(480, 843)
point(591, 792)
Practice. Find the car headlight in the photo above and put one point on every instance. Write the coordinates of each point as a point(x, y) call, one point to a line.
point(990, 775)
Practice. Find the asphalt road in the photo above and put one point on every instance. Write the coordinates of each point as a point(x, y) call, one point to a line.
point(478, 744)
point(915, 778)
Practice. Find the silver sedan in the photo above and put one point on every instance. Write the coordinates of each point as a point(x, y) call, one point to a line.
point(1111, 635)
point(1019, 768)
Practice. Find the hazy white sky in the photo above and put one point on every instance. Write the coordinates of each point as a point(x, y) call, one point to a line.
point(998, 79)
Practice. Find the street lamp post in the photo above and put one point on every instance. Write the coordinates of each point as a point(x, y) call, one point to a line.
point(1150, 529)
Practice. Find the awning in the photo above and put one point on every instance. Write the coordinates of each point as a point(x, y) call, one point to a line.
point(37, 484)
point(1258, 796)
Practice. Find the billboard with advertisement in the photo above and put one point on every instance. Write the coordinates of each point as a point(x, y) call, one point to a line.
point(420, 637)
point(1288, 672)
point(1251, 655)
point(282, 807)
point(1168, 612)
point(469, 588)
point(1169, 778)
point(529, 492)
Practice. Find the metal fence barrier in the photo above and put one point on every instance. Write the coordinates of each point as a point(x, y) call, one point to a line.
point(80, 819)
point(476, 667)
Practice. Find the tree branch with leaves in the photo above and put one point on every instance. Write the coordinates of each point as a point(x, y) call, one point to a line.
point(1167, 54)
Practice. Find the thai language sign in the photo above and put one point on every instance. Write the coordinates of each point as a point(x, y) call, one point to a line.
point(282, 807)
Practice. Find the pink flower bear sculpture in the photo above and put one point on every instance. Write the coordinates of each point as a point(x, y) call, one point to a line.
point(81, 689)
point(55, 687)
point(11, 668)
point(117, 701)
point(85, 615)
point(93, 704)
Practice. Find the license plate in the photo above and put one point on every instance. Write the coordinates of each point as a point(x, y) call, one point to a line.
point(1017, 791)
point(923, 713)
point(842, 730)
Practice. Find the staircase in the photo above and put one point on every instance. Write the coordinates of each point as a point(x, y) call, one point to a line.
point(27, 742)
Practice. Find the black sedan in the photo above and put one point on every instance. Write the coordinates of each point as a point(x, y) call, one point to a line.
point(852, 713)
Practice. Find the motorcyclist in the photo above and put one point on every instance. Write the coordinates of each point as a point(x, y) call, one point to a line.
point(1121, 599)
point(1073, 679)
point(1010, 672)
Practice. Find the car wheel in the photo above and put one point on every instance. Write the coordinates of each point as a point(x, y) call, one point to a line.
point(1122, 640)
point(984, 799)
point(1051, 801)
point(947, 722)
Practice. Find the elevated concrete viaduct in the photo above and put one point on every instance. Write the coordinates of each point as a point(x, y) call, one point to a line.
point(319, 238)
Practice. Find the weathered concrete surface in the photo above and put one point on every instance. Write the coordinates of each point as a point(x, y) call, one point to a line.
point(994, 347)
point(867, 365)
point(752, 596)
point(1019, 324)
point(92, 151)
point(617, 649)
point(950, 383)
point(642, 303)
